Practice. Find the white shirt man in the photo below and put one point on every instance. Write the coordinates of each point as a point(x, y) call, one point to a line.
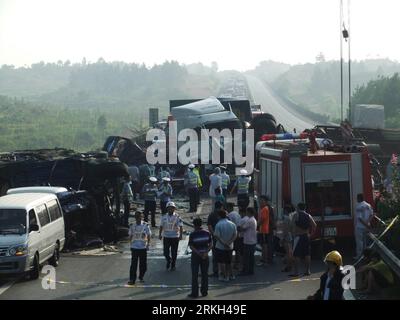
point(364, 214)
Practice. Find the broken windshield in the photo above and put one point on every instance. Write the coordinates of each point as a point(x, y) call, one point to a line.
point(12, 221)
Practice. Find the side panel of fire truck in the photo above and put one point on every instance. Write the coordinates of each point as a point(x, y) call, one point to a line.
point(270, 179)
point(327, 183)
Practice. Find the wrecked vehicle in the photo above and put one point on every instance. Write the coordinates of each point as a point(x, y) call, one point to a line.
point(92, 212)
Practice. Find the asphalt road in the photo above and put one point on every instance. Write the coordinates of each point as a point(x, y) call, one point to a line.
point(93, 275)
point(284, 115)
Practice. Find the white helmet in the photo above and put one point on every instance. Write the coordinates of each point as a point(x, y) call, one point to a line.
point(153, 179)
point(191, 166)
point(171, 204)
point(244, 172)
point(166, 179)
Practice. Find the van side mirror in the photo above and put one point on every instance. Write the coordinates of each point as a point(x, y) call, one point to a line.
point(33, 227)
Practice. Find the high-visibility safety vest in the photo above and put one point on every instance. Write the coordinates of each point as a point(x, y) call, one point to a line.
point(150, 192)
point(139, 232)
point(197, 173)
point(225, 180)
point(191, 180)
point(171, 225)
point(243, 185)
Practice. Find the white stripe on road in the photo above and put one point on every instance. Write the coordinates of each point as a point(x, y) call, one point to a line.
point(128, 255)
point(6, 286)
point(177, 286)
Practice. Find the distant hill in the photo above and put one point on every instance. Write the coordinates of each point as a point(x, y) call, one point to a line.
point(107, 84)
point(76, 106)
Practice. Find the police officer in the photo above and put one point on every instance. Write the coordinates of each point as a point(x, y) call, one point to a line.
point(196, 170)
point(191, 186)
point(163, 174)
point(242, 185)
point(127, 199)
point(171, 230)
point(139, 236)
point(150, 191)
point(225, 181)
point(165, 193)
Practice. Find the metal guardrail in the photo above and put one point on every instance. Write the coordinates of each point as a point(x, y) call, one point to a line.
point(387, 256)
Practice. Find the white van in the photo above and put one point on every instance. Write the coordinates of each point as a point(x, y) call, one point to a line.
point(31, 232)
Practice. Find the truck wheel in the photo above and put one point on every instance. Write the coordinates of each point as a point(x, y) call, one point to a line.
point(55, 259)
point(34, 273)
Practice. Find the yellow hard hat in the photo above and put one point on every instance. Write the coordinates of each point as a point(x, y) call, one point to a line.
point(335, 257)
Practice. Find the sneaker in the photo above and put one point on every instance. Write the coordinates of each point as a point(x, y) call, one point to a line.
point(141, 280)
point(205, 294)
point(173, 268)
point(131, 283)
point(168, 265)
point(192, 296)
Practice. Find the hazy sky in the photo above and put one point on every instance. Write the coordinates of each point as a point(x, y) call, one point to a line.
point(236, 34)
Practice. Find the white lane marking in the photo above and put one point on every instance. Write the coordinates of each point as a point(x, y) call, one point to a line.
point(6, 286)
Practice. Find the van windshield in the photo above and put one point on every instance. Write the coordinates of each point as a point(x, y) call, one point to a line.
point(12, 221)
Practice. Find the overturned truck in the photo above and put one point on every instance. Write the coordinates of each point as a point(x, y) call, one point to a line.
point(92, 181)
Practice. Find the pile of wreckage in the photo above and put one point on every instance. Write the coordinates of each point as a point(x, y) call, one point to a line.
point(91, 204)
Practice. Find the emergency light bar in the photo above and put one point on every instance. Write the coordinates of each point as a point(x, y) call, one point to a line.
point(284, 136)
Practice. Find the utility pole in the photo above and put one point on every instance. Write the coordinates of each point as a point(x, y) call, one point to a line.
point(348, 39)
point(341, 61)
point(345, 34)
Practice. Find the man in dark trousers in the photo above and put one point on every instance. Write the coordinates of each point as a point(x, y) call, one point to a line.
point(212, 221)
point(150, 191)
point(127, 198)
point(200, 243)
point(191, 185)
point(165, 193)
point(171, 229)
point(139, 236)
point(303, 226)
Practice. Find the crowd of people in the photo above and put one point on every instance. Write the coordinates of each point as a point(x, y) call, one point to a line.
point(234, 230)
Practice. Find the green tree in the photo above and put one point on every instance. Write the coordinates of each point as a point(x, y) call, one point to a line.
point(102, 123)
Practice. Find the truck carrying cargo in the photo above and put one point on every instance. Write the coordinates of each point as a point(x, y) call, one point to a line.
point(368, 116)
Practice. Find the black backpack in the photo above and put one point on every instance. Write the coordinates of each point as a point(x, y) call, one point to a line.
point(303, 220)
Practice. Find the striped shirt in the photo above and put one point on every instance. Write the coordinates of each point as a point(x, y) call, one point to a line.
point(200, 240)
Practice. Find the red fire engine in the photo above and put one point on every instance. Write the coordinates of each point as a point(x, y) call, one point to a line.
point(328, 179)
